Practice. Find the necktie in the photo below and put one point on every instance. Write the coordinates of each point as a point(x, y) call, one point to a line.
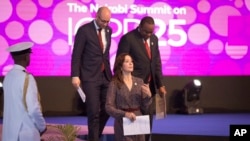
point(101, 45)
point(100, 38)
point(147, 49)
point(149, 56)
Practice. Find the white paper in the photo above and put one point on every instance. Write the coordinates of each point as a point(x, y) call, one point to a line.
point(140, 126)
point(81, 93)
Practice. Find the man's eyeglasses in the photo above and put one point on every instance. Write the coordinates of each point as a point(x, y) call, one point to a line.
point(103, 21)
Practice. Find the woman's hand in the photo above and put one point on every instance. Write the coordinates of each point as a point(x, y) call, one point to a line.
point(130, 116)
point(146, 91)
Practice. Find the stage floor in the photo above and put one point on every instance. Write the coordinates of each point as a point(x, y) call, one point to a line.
point(214, 125)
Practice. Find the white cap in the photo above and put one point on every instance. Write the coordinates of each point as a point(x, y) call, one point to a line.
point(20, 48)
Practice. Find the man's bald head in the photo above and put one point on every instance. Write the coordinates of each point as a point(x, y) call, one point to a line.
point(103, 16)
point(104, 11)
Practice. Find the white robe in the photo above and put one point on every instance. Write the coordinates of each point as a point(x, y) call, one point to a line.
point(20, 124)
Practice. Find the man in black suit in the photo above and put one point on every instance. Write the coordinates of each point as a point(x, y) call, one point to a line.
point(90, 69)
point(142, 44)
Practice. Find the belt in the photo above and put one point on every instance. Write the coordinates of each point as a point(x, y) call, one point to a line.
point(131, 109)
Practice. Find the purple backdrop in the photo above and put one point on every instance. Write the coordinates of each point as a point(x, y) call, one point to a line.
point(196, 37)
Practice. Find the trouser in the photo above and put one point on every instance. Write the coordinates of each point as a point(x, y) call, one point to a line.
point(95, 103)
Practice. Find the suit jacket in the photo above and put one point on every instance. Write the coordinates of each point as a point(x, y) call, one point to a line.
point(19, 123)
point(87, 56)
point(133, 44)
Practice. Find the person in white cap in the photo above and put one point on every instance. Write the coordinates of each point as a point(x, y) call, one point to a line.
point(22, 116)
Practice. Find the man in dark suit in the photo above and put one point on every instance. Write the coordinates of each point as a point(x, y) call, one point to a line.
point(142, 44)
point(90, 69)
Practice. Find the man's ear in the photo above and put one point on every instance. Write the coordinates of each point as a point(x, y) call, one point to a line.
point(27, 57)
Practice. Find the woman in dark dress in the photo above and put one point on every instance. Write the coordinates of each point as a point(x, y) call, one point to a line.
point(127, 96)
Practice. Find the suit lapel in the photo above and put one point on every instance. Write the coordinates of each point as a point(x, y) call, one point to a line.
point(96, 34)
point(144, 48)
point(151, 45)
point(94, 31)
point(141, 43)
point(107, 35)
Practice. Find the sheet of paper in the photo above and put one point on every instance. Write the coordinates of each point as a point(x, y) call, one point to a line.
point(160, 106)
point(140, 126)
point(81, 93)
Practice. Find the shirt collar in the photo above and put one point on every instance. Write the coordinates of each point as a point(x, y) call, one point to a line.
point(19, 67)
point(96, 26)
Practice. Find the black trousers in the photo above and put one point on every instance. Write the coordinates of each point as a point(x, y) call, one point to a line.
point(96, 93)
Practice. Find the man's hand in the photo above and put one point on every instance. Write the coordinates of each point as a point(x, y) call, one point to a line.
point(76, 82)
point(162, 91)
